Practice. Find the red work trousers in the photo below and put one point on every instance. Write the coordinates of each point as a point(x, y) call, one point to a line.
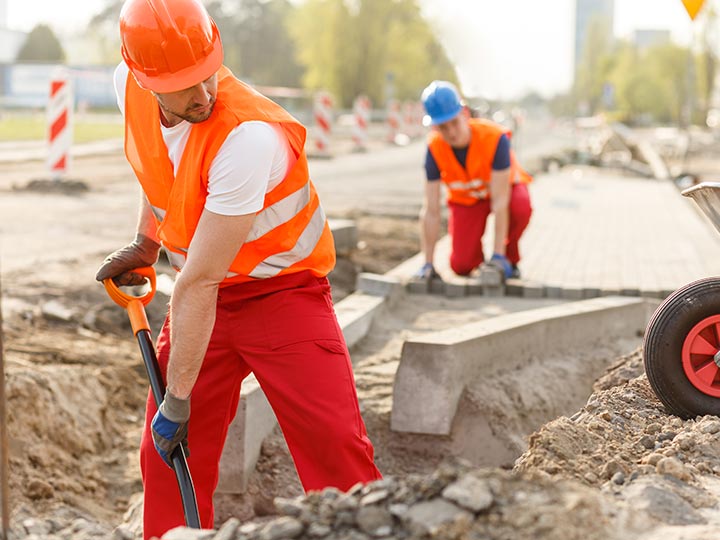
point(285, 331)
point(466, 225)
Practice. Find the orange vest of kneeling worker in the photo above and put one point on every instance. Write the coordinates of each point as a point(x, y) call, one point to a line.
point(290, 233)
point(465, 185)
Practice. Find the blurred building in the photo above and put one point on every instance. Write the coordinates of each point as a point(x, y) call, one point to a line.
point(585, 12)
point(644, 39)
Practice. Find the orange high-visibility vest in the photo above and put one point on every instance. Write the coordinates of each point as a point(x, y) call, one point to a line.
point(466, 185)
point(290, 233)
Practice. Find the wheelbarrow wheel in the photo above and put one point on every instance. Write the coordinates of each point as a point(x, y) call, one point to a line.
point(681, 348)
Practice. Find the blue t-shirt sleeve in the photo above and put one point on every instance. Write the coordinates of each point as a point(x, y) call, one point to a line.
point(431, 169)
point(502, 154)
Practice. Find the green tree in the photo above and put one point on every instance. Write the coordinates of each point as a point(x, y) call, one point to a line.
point(655, 82)
point(41, 45)
point(350, 47)
point(103, 29)
point(256, 43)
point(707, 61)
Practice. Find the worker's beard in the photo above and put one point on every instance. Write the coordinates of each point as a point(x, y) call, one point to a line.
point(191, 114)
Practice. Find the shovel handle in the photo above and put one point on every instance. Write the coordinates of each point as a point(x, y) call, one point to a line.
point(135, 305)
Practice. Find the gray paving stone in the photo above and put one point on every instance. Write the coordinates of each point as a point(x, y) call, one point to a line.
point(592, 292)
point(514, 287)
point(418, 287)
point(572, 293)
point(494, 292)
point(553, 291)
point(437, 286)
point(455, 289)
point(533, 290)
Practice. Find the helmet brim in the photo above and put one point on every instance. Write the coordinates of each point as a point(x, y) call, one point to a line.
point(441, 119)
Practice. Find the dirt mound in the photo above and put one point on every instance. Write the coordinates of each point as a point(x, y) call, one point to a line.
point(620, 468)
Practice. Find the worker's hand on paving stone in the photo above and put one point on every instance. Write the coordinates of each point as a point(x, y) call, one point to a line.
point(426, 272)
point(170, 426)
point(143, 251)
point(501, 263)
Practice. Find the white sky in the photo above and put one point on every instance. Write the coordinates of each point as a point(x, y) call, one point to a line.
point(503, 48)
point(61, 15)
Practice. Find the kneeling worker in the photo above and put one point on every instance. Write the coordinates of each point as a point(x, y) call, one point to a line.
point(473, 158)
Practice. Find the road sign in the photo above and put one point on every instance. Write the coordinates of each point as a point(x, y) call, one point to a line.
point(693, 7)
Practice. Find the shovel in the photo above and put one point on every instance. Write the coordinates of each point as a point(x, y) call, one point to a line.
point(135, 306)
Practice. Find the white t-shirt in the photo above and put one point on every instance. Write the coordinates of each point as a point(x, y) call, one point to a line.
point(254, 158)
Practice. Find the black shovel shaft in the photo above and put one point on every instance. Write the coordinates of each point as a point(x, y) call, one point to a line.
point(179, 461)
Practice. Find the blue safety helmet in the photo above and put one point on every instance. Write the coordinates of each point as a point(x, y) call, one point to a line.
point(441, 101)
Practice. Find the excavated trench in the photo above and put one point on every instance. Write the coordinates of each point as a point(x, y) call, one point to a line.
point(76, 393)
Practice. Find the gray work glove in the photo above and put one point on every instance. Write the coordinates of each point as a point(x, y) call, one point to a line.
point(170, 426)
point(143, 251)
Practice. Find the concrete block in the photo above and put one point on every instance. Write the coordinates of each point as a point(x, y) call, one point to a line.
point(455, 289)
point(344, 233)
point(496, 291)
point(438, 366)
point(514, 287)
point(489, 276)
point(572, 293)
point(630, 292)
point(652, 293)
point(474, 287)
point(388, 287)
point(552, 291)
point(418, 286)
point(254, 421)
point(533, 290)
point(610, 292)
point(591, 292)
point(436, 286)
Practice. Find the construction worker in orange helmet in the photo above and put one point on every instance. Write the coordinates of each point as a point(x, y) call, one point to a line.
point(473, 159)
point(226, 193)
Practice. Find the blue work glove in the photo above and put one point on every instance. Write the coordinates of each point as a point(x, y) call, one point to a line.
point(427, 272)
point(501, 263)
point(170, 426)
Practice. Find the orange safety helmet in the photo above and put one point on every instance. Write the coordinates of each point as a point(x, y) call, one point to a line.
point(169, 45)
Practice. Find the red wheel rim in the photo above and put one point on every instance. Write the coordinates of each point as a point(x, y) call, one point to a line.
point(698, 356)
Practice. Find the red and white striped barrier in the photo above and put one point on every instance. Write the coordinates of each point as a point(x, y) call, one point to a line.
point(393, 120)
point(322, 112)
point(419, 113)
point(59, 119)
point(361, 113)
point(408, 119)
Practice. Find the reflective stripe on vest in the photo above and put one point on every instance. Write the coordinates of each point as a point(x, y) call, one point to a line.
point(462, 184)
point(302, 249)
point(280, 212)
point(273, 265)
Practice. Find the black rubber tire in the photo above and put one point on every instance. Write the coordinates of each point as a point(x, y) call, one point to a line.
point(662, 348)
